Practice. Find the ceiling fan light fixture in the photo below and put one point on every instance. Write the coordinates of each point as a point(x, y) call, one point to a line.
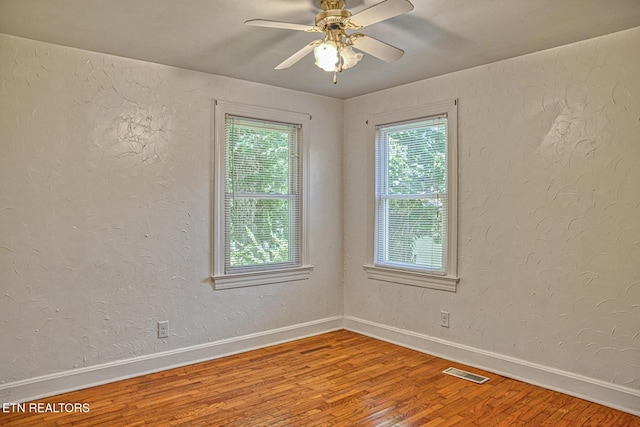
point(326, 54)
point(350, 58)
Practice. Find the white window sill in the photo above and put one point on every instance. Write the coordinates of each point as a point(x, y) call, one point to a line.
point(256, 278)
point(412, 278)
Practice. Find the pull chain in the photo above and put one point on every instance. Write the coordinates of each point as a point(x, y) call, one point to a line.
point(337, 69)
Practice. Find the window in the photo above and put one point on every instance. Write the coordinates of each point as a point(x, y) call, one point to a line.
point(415, 197)
point(259, 207)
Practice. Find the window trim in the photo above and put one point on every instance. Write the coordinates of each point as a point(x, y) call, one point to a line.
point(276, 273)
point(410, 276)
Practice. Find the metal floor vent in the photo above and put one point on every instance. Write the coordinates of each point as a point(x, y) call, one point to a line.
point(478, 379)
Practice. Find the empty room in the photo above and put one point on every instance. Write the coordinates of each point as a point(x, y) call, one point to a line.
point(320, 212)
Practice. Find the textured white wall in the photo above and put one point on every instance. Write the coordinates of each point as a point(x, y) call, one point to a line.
point(549, 236)
point(105, 204)
point(105, 210)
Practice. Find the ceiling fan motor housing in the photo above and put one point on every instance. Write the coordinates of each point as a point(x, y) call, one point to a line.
point(332, 19)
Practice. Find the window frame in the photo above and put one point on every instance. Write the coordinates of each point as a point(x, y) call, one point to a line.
point(397, 273)
point(268, 274)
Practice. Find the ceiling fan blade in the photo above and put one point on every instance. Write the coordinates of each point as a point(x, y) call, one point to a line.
point(298, 55)
point(381, 11)
point(281, 25)
point(374, 47)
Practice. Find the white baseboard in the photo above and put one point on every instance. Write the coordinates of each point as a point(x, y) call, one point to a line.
point(76, 379)
point(612, 395)
point(608, 394)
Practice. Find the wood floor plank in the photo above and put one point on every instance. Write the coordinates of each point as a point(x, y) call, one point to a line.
point(336, 379)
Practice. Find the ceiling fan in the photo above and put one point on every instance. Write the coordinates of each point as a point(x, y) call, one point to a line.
point(334, 52)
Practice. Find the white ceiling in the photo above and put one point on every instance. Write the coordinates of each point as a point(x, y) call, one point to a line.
point(438, 36)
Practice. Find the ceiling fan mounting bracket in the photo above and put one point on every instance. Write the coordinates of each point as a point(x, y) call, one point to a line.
point(332, 4)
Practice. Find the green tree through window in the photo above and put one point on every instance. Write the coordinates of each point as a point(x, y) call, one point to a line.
point(412, 193)
point(261, 193)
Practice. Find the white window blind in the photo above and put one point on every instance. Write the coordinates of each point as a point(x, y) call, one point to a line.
point(262, 195)
point(411, 195)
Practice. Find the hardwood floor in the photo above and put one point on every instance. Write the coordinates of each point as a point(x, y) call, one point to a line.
point(335, 379)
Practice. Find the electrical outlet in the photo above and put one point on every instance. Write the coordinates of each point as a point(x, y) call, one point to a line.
point(444, 319)
point(163, 329)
